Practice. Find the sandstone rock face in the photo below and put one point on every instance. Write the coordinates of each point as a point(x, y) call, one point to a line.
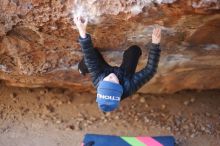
point(39, 47)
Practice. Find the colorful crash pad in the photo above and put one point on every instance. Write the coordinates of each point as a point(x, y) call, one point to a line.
point(108, 140)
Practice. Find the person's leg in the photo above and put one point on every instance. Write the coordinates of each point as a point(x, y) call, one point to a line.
point(82, 68)
point(104, 64)
point(130, 59)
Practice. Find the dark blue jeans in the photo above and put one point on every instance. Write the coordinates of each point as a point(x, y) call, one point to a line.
point(129, 63)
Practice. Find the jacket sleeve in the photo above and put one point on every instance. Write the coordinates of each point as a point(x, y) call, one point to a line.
point(144, 75)
point(91, 58)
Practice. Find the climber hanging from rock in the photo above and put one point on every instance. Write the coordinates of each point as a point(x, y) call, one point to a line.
point(113, 83)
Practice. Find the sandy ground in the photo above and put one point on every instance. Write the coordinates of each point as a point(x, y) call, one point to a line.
point(60, 117)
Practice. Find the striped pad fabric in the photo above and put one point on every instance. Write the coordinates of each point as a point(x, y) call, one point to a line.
point(110, 140)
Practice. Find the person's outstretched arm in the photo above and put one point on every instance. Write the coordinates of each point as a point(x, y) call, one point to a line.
point(144, 75)
point(91, 59)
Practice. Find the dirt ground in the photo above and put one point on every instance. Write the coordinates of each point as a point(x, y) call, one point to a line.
point(60, 117)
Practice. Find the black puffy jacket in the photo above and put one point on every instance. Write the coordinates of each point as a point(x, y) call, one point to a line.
point(130, 84)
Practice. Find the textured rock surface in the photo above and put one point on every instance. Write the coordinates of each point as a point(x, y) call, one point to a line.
point(38, 43)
